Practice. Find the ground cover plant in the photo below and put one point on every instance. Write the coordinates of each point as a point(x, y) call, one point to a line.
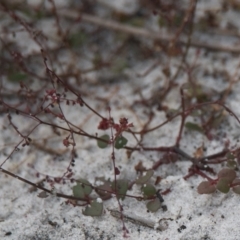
point(67, 92)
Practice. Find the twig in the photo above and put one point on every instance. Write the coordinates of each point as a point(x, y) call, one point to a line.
point(141, 32)
point(137, 220)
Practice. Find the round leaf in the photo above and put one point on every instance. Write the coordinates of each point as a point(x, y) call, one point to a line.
point(236, 189)
point(121, 188)
point(206, 187)
point(120, 142)
point(82, 189)
point(231, 164)
point(95, 209)
point(153, 205)
point(103, 144)
point(228, 174)
point(145, 178)
point(148, 190)
point(223, 185)
point(104, 190)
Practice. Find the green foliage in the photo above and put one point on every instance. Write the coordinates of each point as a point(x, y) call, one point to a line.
point(193, 127)
point(236, 189)
point(206, 187)
point(223, 185)
point(95, 209)
point(231, 164)
point(82, 189)
point(148, 190)
point(153, 205)
point(121, 188)
point(120, 142)
point(145, 178)
point(103, 144)
point(228, 174)
point(17, 77)
point(77, 39)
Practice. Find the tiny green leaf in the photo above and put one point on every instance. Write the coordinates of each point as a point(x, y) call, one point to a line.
point(82, 189)
point(206, 187)
point(95, 209)
point(120, 142)
point(148, 190)
point(145, 178)
point(231, 164)
point(103, 144)
point(236, 189)
point(193, 127)
point(228, 174)
point(223, 185)
point(17, 76)
point(77, 39)
point(121, 188)
point(230, 156)
point(153, 205)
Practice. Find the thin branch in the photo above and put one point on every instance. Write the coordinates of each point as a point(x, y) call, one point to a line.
point(141, 32)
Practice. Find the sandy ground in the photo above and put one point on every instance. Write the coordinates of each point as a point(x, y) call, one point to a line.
point(189, 215)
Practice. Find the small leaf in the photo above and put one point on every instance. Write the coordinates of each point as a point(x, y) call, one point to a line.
point(42, 194)
point(223, 185)
point(231, 164)
point(236, 189)
point(153, 205)
point(193, 127)
point(120, 142)
point(82, 189)
point(228, 174)
point(206, 187)
point(121, 188)
point(17, 77)
point(145, 178)
point(77, 39)
point(95, 209)
point(148, 190)
point(103, 144)
point(104, 190)
point(230, 156)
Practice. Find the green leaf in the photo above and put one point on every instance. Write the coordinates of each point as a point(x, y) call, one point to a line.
point(82, 189)
point(17, 76)
point(121, 188)
point(223, 185)
point(95, 209)
point(104, 190)
point(103, 144)
point(193, 127)
point(228, 174)
point(206, 187)
point(145, 178)
point(153, 205)
point(148, 190)
point(236, 189)
point(77, 39)
point(231, 164)
point(230, 156)
point(120, 142)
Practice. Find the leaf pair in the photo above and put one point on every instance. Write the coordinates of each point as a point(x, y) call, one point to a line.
point(82, 190)
point(120, 142)
point(149, 191)
point(225, 178)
